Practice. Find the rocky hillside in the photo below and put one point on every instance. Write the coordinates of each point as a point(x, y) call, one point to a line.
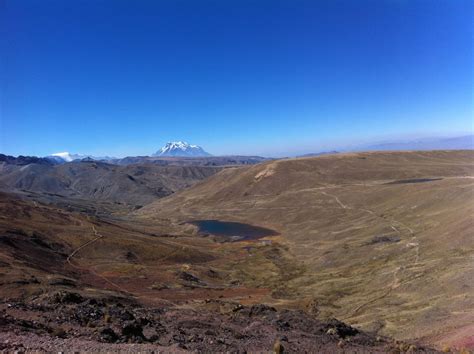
point(91, 180)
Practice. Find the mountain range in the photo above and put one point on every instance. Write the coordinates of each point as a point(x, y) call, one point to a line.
point(171, 149)
point(183, 149)
point(62, 157)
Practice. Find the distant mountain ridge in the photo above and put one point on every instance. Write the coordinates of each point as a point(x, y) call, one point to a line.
point(183, 153)
point(25, 160)
point(314, 154)
point(190, 160)
point(212, 161)
point(63, 157)
point(181, 148)
point(455, 143)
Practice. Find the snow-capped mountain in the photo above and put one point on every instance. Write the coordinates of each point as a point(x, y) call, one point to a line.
point(181, 148)
point(62, 157)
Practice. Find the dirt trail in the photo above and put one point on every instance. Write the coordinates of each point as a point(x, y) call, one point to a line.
point(98, 236)
point(414, 243)
point(343, 206)
point(115, 285)
point(84, 245)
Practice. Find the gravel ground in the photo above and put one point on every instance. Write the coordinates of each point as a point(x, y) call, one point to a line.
point(32, 342)
point(69, 322)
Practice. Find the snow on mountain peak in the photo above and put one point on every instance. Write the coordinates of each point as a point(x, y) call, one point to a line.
point(61, 157)
point(66, 156)
point(181, 148)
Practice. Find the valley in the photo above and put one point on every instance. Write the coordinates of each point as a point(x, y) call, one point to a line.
point(380, 241)
point(95, 186)
point(237, 177)
point(372, 247)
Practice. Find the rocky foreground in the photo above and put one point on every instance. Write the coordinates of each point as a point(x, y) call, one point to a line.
point(67, 321)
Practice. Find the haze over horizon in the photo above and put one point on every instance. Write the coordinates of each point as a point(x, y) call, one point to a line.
point(236, 77)
point(409, 143)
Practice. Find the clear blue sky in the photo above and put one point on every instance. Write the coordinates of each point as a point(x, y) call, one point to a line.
point(235, 76)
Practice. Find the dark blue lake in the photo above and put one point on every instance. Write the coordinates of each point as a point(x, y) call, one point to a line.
point(233, 231)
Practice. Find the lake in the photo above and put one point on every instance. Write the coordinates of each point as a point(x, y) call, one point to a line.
point(232, 231)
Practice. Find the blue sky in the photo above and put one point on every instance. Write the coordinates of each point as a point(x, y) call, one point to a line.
point(265, 77)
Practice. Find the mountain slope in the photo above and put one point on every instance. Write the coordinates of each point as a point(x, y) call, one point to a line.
point(132, 185)
point(72, 281)
point(385, 239)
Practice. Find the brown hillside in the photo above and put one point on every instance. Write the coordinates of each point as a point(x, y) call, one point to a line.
point(98, 182)
point(383, 240)
point(75, 282)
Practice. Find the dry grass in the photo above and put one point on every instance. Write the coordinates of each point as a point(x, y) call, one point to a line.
point(331, 211)
point(394, 258)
